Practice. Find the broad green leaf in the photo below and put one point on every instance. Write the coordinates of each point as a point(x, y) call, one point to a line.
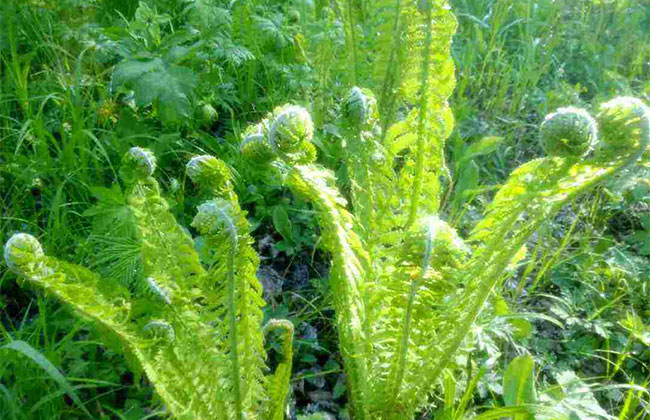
point(576, 399)
point(522, 328)
point(282, 223)
point(519, 382)
point(482, 147)
point(129, 70)
point(155, 81)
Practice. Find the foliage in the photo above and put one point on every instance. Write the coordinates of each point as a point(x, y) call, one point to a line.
point(191, 329)
point(404, 310)
point(354, 224)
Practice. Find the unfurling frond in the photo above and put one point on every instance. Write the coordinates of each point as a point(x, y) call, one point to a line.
point(196, 332)
point(568, 132)
point(208, 170)
point(254, 147)
point(286, 134)
point(238, 301)
point(364, 158)
point(212, 176)
point(290, 129)
point(360, 108)
point(317, 185)
point(533, 194)
point(625, 125)
point(23, 254)
point(407, 294)
point(137, 163)
point(347, 273)
point(167, 250)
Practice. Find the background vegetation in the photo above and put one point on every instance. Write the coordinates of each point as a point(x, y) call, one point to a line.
point(84, 81)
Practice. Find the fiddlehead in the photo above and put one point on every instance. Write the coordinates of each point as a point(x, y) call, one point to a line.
point(293, 148)
point(568, 132)
point(231, 278)
point(532, 195)
point(363, 155)
point(212, 176)
point(624, 124)
point(172, 323)
point(167, 251)
point(360, 108)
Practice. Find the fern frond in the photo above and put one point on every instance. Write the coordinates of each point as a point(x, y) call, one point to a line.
point(195, 332)
point(110, 308)
point(389, 17)
point(434, 72)
point(363, 154)
point(167, 251)
point(402, 305)
point(347, 273)
point(279, 384)
point(232, 280)
point(317, 185)
point(114, 238)
point(414, 70)
point(349, 11)
point(534, 192)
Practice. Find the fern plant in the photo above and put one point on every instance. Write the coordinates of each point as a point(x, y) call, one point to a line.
point(407, 294)
point(192, 324)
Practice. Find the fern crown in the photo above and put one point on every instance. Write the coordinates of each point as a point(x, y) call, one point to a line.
point(407, 294)
point(192, 323)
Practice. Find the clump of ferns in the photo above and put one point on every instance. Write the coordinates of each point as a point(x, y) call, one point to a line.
point(407, 294)
point(194, 327)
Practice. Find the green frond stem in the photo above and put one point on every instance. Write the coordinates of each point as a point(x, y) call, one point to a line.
point(398, 368)
point(347, 274)
point(232, 312)
point(231, 279)
point(279, 385)
point(105, 305)
point(537, 190)
point(349, 22)
point(353, 43)
point(387, 98)
point(422, 119)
